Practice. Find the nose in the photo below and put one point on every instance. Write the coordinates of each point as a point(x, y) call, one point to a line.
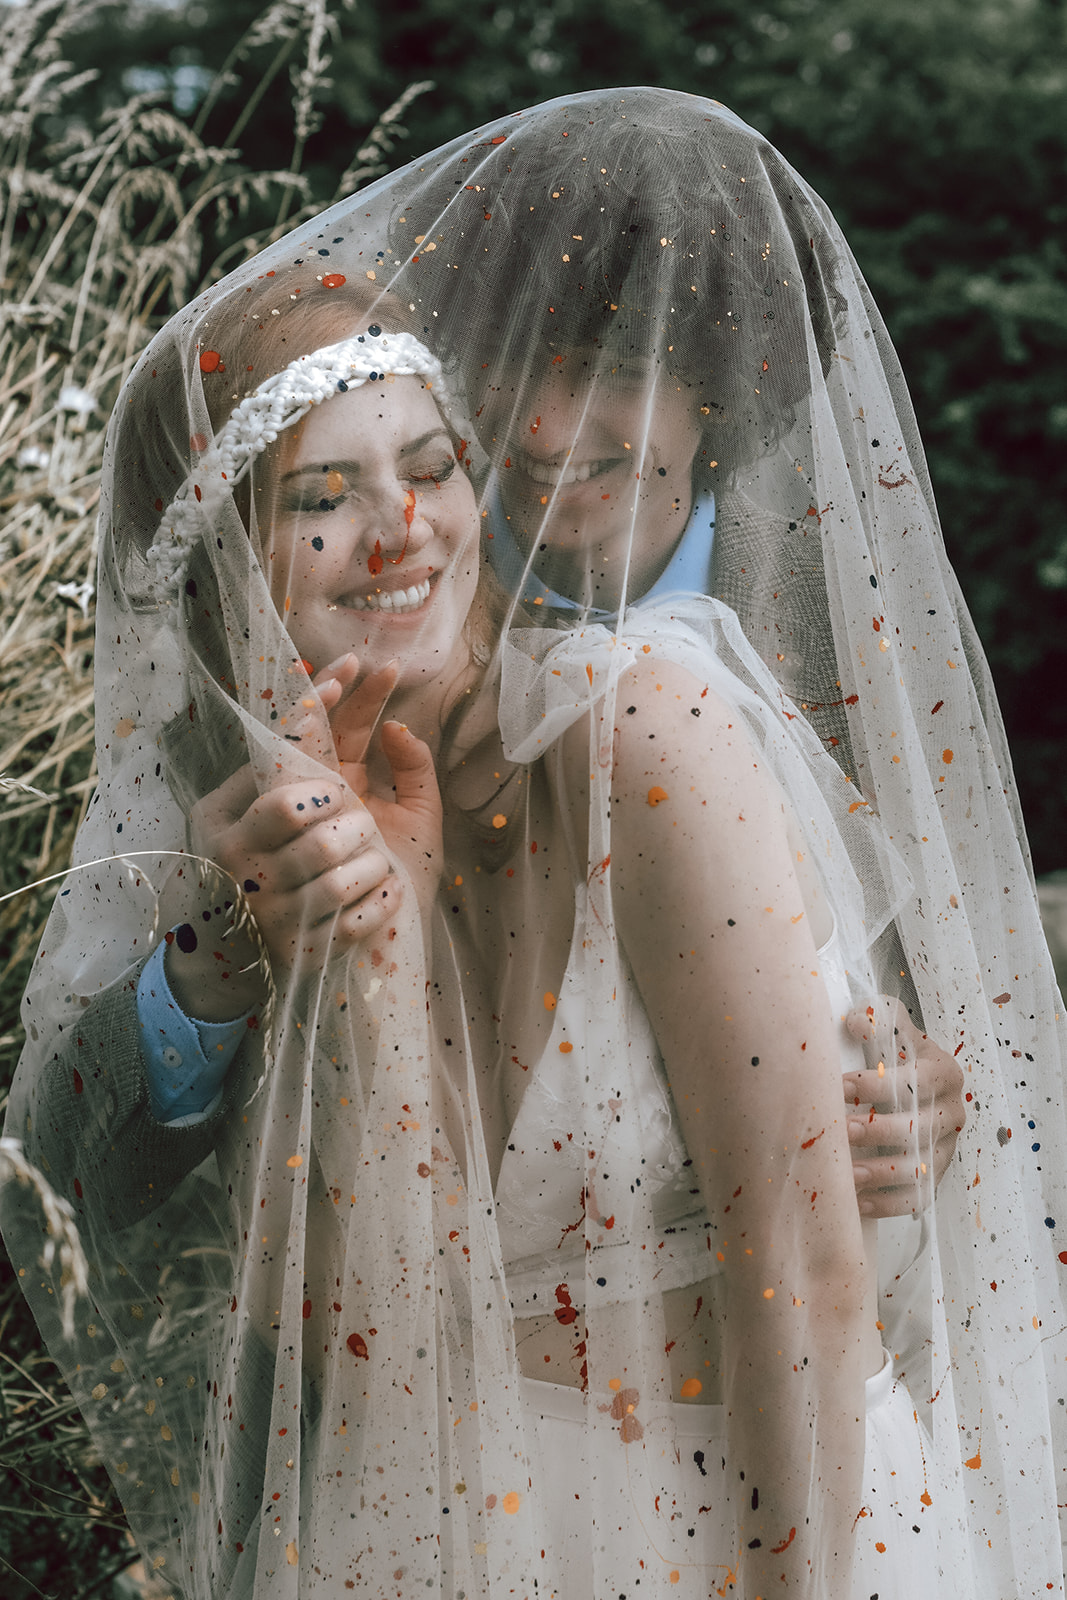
point(395, 530)
point(553, 414)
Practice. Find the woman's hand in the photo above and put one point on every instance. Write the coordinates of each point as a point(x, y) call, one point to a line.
point(309, 854)
point(407, 810)
point(906, 1117)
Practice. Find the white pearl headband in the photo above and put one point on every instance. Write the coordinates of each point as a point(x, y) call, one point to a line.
point(259, 418)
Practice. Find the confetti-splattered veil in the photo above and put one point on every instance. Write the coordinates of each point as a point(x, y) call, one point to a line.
point(520, 1255)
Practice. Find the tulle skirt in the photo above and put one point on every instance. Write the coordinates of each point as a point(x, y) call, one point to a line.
point(896, 1545)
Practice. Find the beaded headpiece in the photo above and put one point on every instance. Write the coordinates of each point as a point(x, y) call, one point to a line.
point(257, 421)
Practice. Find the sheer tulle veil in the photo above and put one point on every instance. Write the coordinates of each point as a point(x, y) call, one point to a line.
point(303, 1354)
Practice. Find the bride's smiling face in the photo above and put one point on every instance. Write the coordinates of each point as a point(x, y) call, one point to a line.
point(373, 539)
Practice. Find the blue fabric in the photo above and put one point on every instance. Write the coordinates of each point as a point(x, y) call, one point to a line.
point(687, 572)
point(186, 1060)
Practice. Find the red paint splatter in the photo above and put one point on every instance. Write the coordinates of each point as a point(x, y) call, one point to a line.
point(375, 562)
point(305, 1310)
point(78, 1187)
point(937, 708)
point(565, 1312)
point(777, 1549)
point(1001, 999)
point(358, 1346)
point(210, 361)
point(535, 424)
point(196, 491)
point(423, 1170)
point(78, 1083)
point(813, 1140)
point(333, 280)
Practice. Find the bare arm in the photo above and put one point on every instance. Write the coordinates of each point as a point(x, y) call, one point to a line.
point(713, 923)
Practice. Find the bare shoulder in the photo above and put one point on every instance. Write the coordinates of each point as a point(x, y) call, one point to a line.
point(671, 725)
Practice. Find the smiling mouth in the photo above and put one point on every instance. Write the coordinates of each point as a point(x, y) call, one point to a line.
point(395, 601)
point(562, 477)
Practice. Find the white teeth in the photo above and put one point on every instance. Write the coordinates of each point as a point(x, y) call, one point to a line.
point(395, 600)
point(552, 476)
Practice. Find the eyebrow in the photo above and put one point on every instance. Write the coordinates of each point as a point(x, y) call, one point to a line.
point(353, 467)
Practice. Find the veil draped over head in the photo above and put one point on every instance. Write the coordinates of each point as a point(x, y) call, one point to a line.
point(458, 1157)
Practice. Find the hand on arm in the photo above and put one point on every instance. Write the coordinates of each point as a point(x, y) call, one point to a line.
point(906, 1112)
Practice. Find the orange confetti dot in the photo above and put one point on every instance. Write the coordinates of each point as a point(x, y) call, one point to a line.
point(511, 1502)
point(925, 1498)
point(946, 756)
point(295, 1161)
point(768, 1294)
point(335, 481)
point(656, 795)
point(565, 1048)
point(646, 649)
point(550, 1001)
point(615, 1384)
point(691, 1387)
point(975, 1462)
point(676, 1576)
point(210, 360)
point(589, 671)
point(880, 1547)
point(500, 820)
point(333, 280)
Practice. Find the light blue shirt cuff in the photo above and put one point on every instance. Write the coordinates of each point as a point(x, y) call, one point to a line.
point(186, 1060)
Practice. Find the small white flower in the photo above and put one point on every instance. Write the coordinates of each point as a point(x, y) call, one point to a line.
point(76, 594)
point(32, 457)
point(80, 401)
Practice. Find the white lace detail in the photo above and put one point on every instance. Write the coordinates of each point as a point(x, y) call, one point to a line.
point(259, 418)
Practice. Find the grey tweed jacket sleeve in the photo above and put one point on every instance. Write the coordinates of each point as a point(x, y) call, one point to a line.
point(90, 1128)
